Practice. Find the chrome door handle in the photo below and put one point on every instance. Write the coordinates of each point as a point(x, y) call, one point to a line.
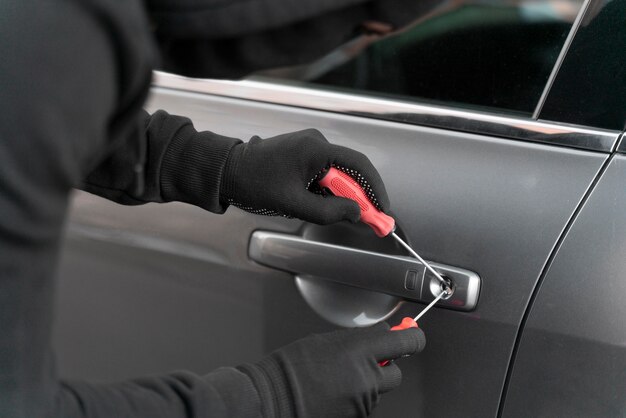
point(391, 274)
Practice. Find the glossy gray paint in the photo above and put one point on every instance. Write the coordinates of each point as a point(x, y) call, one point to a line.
point(572, 357)
point(489, 205)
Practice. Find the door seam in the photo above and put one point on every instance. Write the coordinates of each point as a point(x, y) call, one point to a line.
point(544, 271)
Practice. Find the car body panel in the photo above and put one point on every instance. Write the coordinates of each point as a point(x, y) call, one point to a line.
point(572, 356)
point(490, 205)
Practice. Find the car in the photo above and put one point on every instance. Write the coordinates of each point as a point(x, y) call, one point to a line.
point(497, 128)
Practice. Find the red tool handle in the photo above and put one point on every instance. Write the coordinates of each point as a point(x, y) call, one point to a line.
point(406, 323)
point(341, 184)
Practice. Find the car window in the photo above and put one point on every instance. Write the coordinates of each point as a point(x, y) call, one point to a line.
point(471, 54)
point(590, 88)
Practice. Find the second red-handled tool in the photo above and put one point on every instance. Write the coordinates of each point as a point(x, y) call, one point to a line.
point(408, 322)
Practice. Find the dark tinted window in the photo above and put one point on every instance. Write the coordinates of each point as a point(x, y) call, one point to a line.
point(590, 88)
point(478, 54)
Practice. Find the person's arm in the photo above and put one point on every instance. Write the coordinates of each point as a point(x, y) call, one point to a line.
point(164, 160)
point(225, 392)
point(310, 378)
point(274, 176)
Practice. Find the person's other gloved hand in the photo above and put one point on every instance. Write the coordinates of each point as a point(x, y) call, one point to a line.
point(334, 375)
point(273, 177)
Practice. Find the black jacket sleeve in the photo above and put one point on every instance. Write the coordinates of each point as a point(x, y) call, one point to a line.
point(74, 75)
point(226, 392)
point(164, 159)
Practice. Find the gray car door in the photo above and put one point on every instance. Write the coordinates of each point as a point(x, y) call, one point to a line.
point(478, 185)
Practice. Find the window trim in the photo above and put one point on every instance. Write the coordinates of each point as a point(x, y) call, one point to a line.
point(522, 129)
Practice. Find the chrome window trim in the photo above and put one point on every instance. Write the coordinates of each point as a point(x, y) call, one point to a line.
point(552, 133)
point(561, 58)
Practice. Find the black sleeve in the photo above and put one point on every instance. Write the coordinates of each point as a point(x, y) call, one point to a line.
point(164, 160)
point(226, 392)
point(73, 77)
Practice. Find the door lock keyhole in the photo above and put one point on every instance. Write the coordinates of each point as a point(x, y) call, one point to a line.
point(436, 287)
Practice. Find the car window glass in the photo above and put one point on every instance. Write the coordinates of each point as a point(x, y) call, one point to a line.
point(472, 54)
point(590, 88)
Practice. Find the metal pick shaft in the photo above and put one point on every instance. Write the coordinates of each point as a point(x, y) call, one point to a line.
point(416, 255)
point(430, 305)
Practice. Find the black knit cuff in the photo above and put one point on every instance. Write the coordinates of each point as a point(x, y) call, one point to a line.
point(270, 380)
point(227, 190)
point(192, 168)
point(237, 392)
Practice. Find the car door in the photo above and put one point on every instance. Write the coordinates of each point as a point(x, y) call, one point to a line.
point(449, 112)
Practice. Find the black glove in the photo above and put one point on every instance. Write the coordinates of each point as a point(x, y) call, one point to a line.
point(277, 176)
point(332, 375)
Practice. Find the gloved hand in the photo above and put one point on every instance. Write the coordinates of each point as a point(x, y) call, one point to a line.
point(334, 375)
point(274, 177)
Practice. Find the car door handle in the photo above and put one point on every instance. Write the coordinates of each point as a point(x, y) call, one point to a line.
point(395, 275)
